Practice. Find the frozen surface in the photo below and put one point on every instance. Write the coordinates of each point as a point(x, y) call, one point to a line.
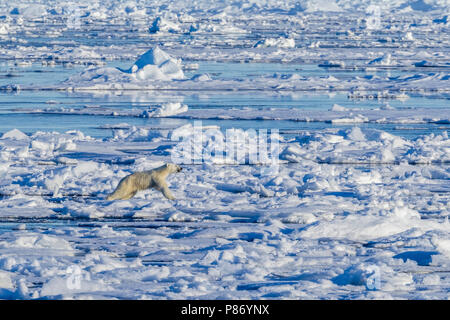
point(357, 209)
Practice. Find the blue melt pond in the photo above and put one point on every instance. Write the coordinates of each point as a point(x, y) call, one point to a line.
point(423, 258)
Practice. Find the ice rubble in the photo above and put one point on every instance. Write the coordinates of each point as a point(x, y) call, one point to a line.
point(152, 77)
point(385, 60)
point(280, 43)
point(43, 8)
point(349, 146)
point(371, 226)
point(163, 25)
point(183, 29)
point(368, 146)
point(376, 219)
point(166, 110)
point(222, 18)
point(236, 146)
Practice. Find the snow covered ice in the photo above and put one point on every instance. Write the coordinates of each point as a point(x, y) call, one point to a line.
point(352, 103)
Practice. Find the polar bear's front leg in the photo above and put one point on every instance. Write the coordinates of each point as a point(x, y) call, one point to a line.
point(166, 191)
point(161, 185)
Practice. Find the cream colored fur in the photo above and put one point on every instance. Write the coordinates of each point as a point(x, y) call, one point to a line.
point(155, 178)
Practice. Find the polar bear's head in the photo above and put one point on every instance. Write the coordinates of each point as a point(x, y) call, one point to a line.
point(173, 167)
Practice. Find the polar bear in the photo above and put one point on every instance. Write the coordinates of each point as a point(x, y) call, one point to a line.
point(155, 178)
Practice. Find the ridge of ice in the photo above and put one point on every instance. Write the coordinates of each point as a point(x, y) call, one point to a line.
point(153, 65)
point(14, 134)
point(156, 64)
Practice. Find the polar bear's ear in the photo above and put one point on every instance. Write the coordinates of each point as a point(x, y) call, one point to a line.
point(171, 167)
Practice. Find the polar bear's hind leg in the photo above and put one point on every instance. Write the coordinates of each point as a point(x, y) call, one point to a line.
point(124, 190)
point(128, 196)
